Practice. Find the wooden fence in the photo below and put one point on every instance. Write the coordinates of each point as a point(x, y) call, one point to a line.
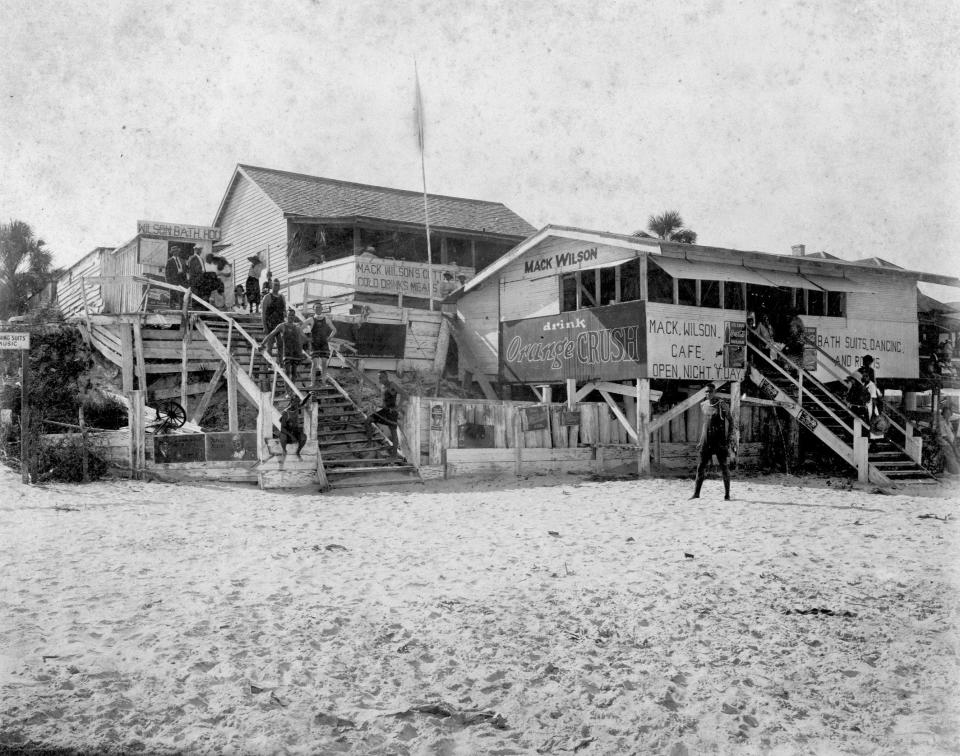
point(478, 435)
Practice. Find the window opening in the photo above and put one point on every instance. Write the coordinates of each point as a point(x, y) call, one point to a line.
point(710, 294)
point(659, 284)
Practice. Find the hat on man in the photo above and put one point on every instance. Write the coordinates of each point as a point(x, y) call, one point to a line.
point(254, 259)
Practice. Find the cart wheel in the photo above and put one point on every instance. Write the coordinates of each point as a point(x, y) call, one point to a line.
point(171, 415)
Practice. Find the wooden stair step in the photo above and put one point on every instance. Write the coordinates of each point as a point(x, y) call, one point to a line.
point(352, 471)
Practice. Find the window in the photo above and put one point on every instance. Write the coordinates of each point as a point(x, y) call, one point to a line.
point(608, 286)
point(734, 297)
point(709, 293)
point(815, 302)
point(659, 284)
point(588, 288)
point(630, 281)
point(686, 291)
point(568, 292)
point(837, 304)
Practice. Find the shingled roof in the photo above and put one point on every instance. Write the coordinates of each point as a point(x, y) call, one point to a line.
point(316, 197)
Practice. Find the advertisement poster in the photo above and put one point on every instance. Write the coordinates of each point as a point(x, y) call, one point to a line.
point(536, 418)
point(186, 447)
point(224, 447)
point(602, 343)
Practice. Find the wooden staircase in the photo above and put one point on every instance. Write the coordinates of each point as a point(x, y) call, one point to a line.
point(826, 416)
point(352, 451)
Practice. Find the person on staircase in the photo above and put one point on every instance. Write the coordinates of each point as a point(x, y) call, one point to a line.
point(388, 414)
point(272, 310)
point(794, 342)
point(291, 426)
point(857, 398)
point(715, 436)
point(291, 344)
point(253, 282)
point(319, 330)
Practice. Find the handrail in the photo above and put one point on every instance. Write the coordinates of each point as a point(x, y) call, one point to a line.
point(800, 387)
point(887, 408)
point(333, 382)
point(240, 329)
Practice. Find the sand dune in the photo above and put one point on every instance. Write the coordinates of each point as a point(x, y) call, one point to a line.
point(546, 615)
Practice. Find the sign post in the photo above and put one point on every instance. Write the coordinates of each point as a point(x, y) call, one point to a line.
point(21, 342)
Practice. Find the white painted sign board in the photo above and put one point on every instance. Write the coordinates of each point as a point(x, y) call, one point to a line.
point(11, 340)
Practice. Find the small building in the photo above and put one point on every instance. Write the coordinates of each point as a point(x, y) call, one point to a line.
point(68, 288)
point(347, 243)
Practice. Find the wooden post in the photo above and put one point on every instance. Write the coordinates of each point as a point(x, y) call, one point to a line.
point(25, 416)
point(414, 431)
point(861, 444)
point(440, 410)
point(571, 394)
point(208, 394)
point(443, 345)
point(126, 356)
point(735, 416)
point(141, 364)
point(137, 434)
point(517, 443)
point(85, 456)
point(184, 343)
point(233, 423)
point(643, 425)
point(264, 425)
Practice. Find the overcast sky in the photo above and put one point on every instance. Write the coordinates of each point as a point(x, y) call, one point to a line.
point(833, 124)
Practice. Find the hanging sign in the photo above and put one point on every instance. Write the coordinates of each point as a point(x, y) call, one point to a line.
point(536, 418)
point(178, 231)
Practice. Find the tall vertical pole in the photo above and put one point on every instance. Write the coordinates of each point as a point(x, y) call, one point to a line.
point(423, 173)
point(25, 416)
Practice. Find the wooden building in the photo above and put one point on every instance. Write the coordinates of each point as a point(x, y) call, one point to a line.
point(350, 243)
point(582, 312)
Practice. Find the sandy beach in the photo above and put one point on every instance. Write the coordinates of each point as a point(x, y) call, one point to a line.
point(541, 615)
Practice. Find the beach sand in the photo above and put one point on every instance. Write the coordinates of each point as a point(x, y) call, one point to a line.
point(541, 615)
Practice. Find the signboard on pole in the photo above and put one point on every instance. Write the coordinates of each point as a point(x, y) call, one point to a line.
point(14, 340)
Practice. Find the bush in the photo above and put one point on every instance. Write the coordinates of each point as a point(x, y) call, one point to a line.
point(104, 412)
point(62, 460)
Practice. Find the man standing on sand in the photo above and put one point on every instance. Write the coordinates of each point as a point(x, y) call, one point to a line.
point(714, 440)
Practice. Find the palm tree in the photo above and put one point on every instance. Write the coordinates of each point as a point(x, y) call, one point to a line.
point(669, 227)
point(24, 266)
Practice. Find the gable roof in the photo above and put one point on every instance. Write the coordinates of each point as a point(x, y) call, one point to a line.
point(693, 252)
point(297, 194)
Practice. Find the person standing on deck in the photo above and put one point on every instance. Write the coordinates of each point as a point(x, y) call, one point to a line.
point(714, 440)
point(195, 272)
point(175, 273)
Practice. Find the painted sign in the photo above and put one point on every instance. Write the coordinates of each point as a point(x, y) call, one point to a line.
point(566, 255)
point(560, 260)
point(14, 340)
point(691, 343)
point(893, 345)
point(178, 231)
point(601, 343)
point(536, 418)
point(809, 350)
point(230, 446)
point(374, 274)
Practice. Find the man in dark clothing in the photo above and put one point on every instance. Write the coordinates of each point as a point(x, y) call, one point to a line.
point(273, 308)
point(196, 272)
point(388, 414)
point(858, 398)
point(291, 426)
point(175, 273)
point(714, 440)
point(291, 343)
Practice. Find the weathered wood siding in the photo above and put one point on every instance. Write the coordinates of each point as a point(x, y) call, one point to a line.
point(69, 288)
point(252, 224)
point(479, 311)
point(526, 296)
point(122, 294)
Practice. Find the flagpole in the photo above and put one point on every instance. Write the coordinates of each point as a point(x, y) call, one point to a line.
point(423, 174)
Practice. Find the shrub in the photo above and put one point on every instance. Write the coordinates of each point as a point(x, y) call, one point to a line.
point(104, 412)
point(62, 460)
